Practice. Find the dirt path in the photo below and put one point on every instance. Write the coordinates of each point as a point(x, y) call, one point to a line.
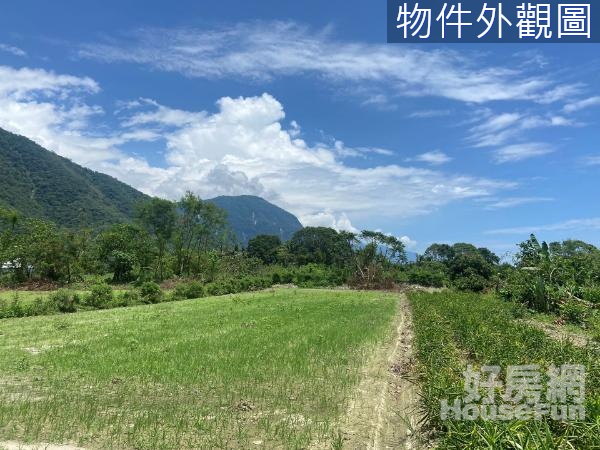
point(559, 333)
point(383, 413)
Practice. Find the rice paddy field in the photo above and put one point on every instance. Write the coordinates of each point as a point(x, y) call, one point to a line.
point(272, 369)
point(456, 329)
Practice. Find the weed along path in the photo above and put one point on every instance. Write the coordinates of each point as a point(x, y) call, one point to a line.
point(383, 412)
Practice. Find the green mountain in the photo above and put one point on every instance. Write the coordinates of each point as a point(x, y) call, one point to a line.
point(249, 216)
point(39, 183)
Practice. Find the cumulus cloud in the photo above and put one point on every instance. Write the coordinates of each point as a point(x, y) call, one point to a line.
point(48, 108)
point(339, 222)
point(409, 243)
point(264, 51)
point(245, 140)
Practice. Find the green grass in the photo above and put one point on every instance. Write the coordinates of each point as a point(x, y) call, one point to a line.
point(452, 330)
point(27, 297)
point(276, 367)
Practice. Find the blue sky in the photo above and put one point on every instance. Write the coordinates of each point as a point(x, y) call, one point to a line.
point(305, 104)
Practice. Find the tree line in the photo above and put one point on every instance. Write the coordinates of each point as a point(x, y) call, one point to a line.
point(190, 239)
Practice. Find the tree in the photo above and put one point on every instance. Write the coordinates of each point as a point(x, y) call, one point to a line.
point(470, 271)
point(469, 267)
point(530, 254)
point(264, 247)
point(124, 249)
point(439, 252)
point(201, 227)
point(158, 217)
point(320, 245)
point(376, 253)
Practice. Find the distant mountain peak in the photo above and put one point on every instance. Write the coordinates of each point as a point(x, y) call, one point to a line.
point(250, 216)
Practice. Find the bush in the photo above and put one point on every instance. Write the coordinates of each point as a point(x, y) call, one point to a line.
point(64, 301)
point(429, 274)
point(193, 289)
point(594, 325)
point(151, 292)
point(100, 296)
point(127, 298)
point(574, 311)
point(41, 306)
point(591, 294)
point(471, 282)
point(11, 308)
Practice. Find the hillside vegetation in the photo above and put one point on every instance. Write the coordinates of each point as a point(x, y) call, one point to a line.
point(41, 184)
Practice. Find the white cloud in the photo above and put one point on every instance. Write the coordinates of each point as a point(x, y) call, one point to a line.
point(12, 49)
point(582, 104)
point(243, 147)
point(591, 160)
point(435, 158)
point(561, 92)
point(263, 51)
point(519, 152)
point(409, 243)
point(26, 83)
point(493, 130)
point(339, 222)
point(574, 224)
point(429, 113)
point(48, 108)
point(510, 202)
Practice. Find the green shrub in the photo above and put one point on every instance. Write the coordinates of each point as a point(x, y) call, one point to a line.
point(470, 282)
point(11, 308)
point(193, 289)
point(594, 325)
point(150, 292)
point(427, 275)
point(127, 298)
point(64, 301)
point(574, 311)
point(591, 294)
point(100, 296)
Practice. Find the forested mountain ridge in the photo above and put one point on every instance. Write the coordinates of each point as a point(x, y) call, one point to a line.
point(250, 216)
point(40, 183)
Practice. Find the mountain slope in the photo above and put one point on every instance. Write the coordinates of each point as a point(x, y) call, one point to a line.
point(39, 183)
point(249, 216)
